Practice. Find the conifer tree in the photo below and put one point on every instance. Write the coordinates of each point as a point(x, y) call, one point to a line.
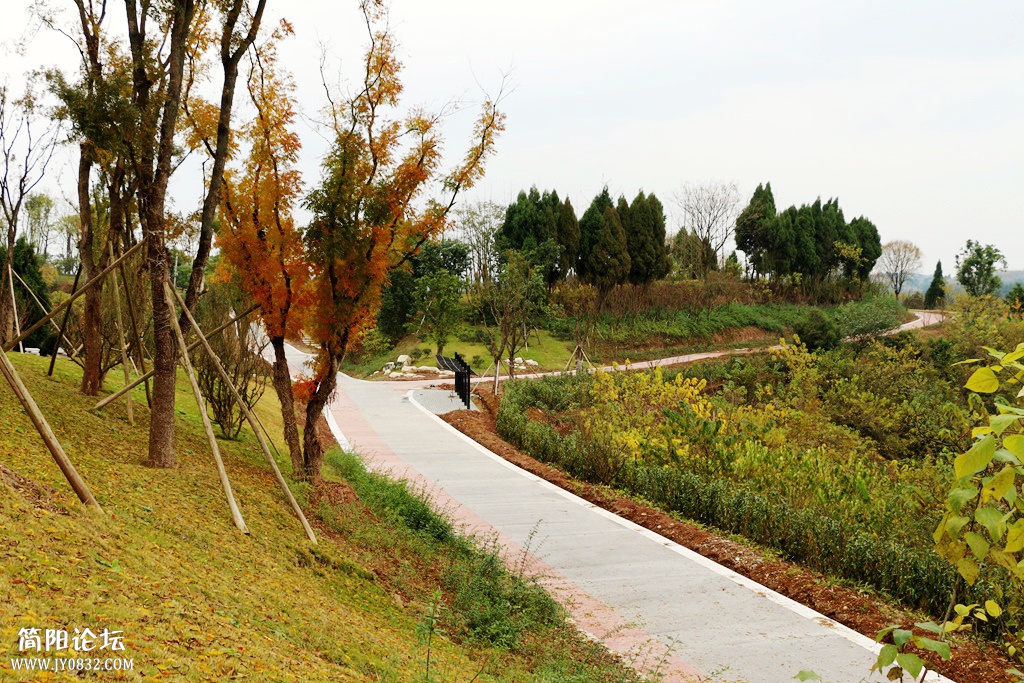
point(608, 262)
point(568, 238)
point(662, 263)
point(753, 227)
point(646, 243)
point(525, 226)
point(936, 293)
point(590, 229)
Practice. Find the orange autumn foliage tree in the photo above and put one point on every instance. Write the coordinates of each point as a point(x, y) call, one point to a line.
point(257, 236)
point(376, 205)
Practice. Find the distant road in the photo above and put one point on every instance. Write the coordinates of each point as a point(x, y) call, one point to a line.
point(921, 319)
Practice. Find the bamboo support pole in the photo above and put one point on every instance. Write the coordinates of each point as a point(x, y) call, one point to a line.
point(246, 412)
point(140, 348)
point(225, 483)
point(120, 336)
point(98, 278)
point(43, 427)
point(120, 392)
point(64, 325)
point(43, 309)
point(14, 308)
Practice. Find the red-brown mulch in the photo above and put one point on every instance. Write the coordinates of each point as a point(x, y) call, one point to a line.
point(971, 663)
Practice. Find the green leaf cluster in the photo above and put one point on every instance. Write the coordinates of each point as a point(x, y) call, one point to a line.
point(982, 530)
point(976, 267)
point(542, 221)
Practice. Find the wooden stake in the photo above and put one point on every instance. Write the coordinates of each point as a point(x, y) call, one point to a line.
point(41, 425)
point(43, 309)
point(14, 307)
point(120, 392)
point(140, 348)
point(221, 472)
point(120, 336)
point(245, 411)
point(64, 325)
point(71, 299)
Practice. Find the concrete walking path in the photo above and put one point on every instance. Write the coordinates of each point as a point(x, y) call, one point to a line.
point(660, 605)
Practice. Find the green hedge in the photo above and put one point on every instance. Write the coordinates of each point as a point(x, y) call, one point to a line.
point(914, 576)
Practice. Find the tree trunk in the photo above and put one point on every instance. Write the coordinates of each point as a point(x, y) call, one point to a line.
point(91, 330)
point(92, 333)
point(314, 450)
point(165, 357)
point(152, 170)
point(232, 52)
point(283, 387)
point(6, 301)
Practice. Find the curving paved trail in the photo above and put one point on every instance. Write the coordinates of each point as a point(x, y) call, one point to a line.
point(921, 319)
point(660, 605)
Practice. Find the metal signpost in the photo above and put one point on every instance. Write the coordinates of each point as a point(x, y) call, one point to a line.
point(463, 372)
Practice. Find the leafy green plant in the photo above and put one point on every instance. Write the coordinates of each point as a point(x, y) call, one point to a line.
point(844, 516)
point(982, 530)
point(895, 660)
point(427, 629)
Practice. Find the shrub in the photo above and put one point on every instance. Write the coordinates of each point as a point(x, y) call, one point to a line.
point(240, 355)
point(870, 317)
point(818, 331)
point(847, 516)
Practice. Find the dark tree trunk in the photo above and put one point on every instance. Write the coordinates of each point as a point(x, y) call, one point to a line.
point(314, 450)
point(91, 332)
point(6, 305)
point(283, 387)
point(231, 53)
point(152, 171)
point(165, 358)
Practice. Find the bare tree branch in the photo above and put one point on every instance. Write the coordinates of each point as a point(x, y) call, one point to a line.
point(709, 211)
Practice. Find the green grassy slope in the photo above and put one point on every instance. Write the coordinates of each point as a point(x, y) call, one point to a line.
point(196, 599)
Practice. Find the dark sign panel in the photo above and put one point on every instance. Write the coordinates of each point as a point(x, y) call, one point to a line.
point(463, 372)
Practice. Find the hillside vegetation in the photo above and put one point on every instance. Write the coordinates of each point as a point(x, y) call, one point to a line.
point(391, 593)
point(839, 459)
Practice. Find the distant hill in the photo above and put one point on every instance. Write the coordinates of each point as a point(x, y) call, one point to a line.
point(919, 281)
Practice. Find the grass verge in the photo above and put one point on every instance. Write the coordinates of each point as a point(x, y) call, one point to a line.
point(198, 601)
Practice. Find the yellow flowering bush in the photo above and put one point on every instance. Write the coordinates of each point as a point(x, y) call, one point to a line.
point(628, 412)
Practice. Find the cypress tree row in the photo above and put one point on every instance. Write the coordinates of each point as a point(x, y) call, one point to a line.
point(812, 243)
point(597, 245)
point(543, 227)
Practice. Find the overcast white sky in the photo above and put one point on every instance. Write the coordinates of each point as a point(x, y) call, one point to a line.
point(911, 112)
